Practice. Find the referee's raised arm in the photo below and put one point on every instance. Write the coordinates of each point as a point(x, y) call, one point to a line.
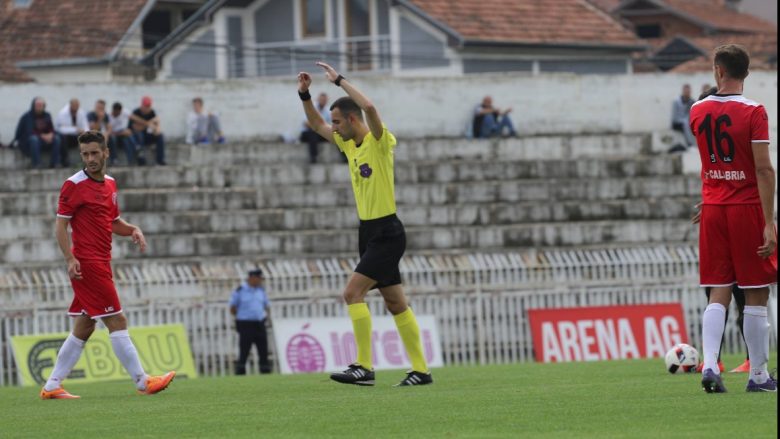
point(372, 115)
point(312, 115)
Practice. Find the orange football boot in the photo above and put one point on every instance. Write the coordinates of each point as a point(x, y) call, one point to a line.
point(742, 368)
point(156, 384)
point(58, 393)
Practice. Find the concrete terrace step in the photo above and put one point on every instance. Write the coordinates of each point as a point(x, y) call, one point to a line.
point(303, 219)
point(411, 172)
point(292, 196)
point(523, 148)
point(276, 244)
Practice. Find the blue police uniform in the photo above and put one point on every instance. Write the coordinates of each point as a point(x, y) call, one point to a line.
point(251, 304)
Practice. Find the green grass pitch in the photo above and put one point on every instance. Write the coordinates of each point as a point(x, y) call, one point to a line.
point(608, 399)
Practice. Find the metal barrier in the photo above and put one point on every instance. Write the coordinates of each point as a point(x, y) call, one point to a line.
point(476, 327)
point(326, 277)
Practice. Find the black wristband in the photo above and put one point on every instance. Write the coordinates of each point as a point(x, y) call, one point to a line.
point(305, 95)
point(338, 81)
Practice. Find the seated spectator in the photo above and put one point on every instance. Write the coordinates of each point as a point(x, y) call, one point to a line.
point(121, 134)
point(708, 92)
point(308, 135)
point(36, 130)
point(490, 121)
point(98, 121)
point(203, 126)
point(146, 130)
point(705, 89)
point(71, 121)
point(681, 109)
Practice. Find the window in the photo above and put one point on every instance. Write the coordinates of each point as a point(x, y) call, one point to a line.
point(313, 18)
point(648, 31)
point(22, 3)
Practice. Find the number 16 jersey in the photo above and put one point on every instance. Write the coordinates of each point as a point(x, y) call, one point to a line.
point(725, 127)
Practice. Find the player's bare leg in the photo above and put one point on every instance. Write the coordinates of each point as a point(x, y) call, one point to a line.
point(409, 330)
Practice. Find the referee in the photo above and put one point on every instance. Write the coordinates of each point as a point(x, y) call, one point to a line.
point(368, 146)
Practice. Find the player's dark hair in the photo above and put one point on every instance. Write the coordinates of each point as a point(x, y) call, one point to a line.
point(117, 106)
point(347, 106)
point(93, 136)
point(711, 91)
point(198, 100)
point(734, 59)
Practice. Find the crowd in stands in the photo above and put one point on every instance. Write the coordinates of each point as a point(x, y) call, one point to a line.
point(130, 134)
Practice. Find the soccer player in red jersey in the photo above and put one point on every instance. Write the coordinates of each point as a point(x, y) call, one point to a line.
point(88, 202)
point(738, 239)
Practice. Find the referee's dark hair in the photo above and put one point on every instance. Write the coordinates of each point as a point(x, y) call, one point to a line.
point(734, 59)
point(93, 136)
point(347, 106)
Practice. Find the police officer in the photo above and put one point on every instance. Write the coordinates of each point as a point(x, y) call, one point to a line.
point(249, 303)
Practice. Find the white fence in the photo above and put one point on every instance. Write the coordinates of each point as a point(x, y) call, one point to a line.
point(476, 327)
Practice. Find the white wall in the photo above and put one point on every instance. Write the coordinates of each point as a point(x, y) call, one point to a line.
point(411, 107)
point(82, 74)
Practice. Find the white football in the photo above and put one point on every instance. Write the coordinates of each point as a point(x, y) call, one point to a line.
point(682, 358)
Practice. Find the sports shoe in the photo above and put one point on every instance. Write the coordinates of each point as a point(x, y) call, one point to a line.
point(58, 393)
point(156, 384)
point(742, 368)
point(416, 379)
point(700, 367)
point(355, 374)
point(769, 386)
point(711, 382)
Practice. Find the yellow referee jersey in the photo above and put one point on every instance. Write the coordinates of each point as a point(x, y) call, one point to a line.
point(371, 167)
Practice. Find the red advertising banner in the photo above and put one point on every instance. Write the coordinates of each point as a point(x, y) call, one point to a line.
point(606, 332)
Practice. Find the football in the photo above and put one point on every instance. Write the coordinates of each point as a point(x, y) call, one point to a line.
point(682, 358)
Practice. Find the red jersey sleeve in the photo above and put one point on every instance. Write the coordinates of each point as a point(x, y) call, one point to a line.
point(759, 125)
point(69, 200)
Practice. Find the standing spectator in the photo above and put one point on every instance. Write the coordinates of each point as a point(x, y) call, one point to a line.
point(308, 135)
point(490, 121)
point(71, 121)
point(705, 90)
point(146, 130)
point(249, 303)
point(681, 109)
point(121, 134)
point(98, 121)
point(35, 130)
point(203, 126)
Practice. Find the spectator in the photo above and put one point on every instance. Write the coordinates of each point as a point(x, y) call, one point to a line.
point(35, 130)
point(249, 303)
point(681, 109)
point(490, 121)
point(203, 126)
point(705, 89)
point(121, 134)
point(308, 135)
point(98, 121)
point(146, 130)
point(71, 121)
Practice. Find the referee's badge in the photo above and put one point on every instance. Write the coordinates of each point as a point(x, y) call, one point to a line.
point(365, 170)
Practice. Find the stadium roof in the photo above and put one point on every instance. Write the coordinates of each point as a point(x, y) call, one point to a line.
point(77, 32)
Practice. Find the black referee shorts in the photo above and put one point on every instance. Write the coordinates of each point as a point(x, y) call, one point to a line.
point(382, 243)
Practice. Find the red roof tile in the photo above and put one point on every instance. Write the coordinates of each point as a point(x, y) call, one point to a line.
point(529, 21)
point(64, 29)
point(762, 47)
point(716, 14)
